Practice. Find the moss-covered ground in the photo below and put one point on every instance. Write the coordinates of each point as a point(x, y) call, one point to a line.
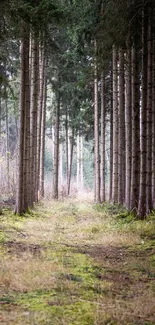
point(75, 263)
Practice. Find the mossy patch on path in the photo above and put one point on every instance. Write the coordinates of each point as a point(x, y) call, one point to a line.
point(73, 263)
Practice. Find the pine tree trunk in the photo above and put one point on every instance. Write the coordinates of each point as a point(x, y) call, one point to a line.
point(102, 138)
point(153, 122)
point(67, 159)
point(78, 162)
point(135, 156)
point(115, 128)
point(21, 182)
point(34, 114)
point(111, 144)
point(27, 176)
point(7, 143)
point(142, 192)
point(43, 125)
point(81, 164)
point(40, 108)
point(56, 150)
point(96, 136)
point(70, 161)
point(128, 127)
point(149, 119)
point(121, 135)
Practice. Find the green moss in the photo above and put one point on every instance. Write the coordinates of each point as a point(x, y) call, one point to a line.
point(2, 237)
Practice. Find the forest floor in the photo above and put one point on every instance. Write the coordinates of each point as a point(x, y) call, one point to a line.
point(75, 263)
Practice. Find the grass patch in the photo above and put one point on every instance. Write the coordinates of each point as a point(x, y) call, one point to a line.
point(74, 263)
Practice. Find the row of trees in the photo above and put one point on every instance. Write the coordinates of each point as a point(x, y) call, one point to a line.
point(98, 59)
point(132, 125)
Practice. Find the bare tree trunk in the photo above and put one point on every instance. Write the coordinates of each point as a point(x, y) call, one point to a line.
point(42, 158)
point(34, 113)
point(67, 160)
point(81, 165)
point(56, 150)
point(142, 192)
point(96, 135)
point(135, 156)
point(111, 144)
point(27, 175)
point(78, 162)
point(102, 193)
point(153, 122)
point(20, 204)
point(149, 119)
point(7, 143)
point(128, 127)
point(71, 160)
point(40, 108)
point(121, 142)
point(115, 128)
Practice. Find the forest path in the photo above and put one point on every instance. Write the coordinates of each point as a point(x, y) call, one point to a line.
point(73, 263)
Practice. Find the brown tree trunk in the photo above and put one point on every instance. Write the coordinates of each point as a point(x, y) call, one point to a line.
point(128, 127)
point(43, 124)
point(142, 192)
point(71, 161)
point(40, 109)
point(149, 119)
point(21, 203)
point(102, 193)
point(135, 156)
point(96, 135)
point(56, 150)
point(115, 128)
point(121, 135)
point(111, 144)
point(34, 114)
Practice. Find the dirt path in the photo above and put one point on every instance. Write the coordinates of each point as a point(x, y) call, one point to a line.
point(68, 263)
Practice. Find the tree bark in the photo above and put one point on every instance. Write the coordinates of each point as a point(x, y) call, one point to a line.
point(135, 156)
point(56, 149)
point(149, 203)
point(115, 128)
point(121, 135)
point(142, 192)
point(43, 125)
point(21, 204)
point(34, 114)
point(128, 126)
point(102, 193)
point(96, 135)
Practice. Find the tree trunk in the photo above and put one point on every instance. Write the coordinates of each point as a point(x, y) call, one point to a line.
point(142, 192)
point(78, 162)
point(128, 127)
point(34, 114)
point(149, 119)
point(56, 150)
point(67, 160)
point(96, 136)
point(43, 124)
point(21, 182)
point(121, 135)
point(70, 161)
point(102, 193)
point(81, 164)
point(7, 143)
point(111, 143)
point(153, 122)
point(135, 155)
point(115, 128)
point(40, 108)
